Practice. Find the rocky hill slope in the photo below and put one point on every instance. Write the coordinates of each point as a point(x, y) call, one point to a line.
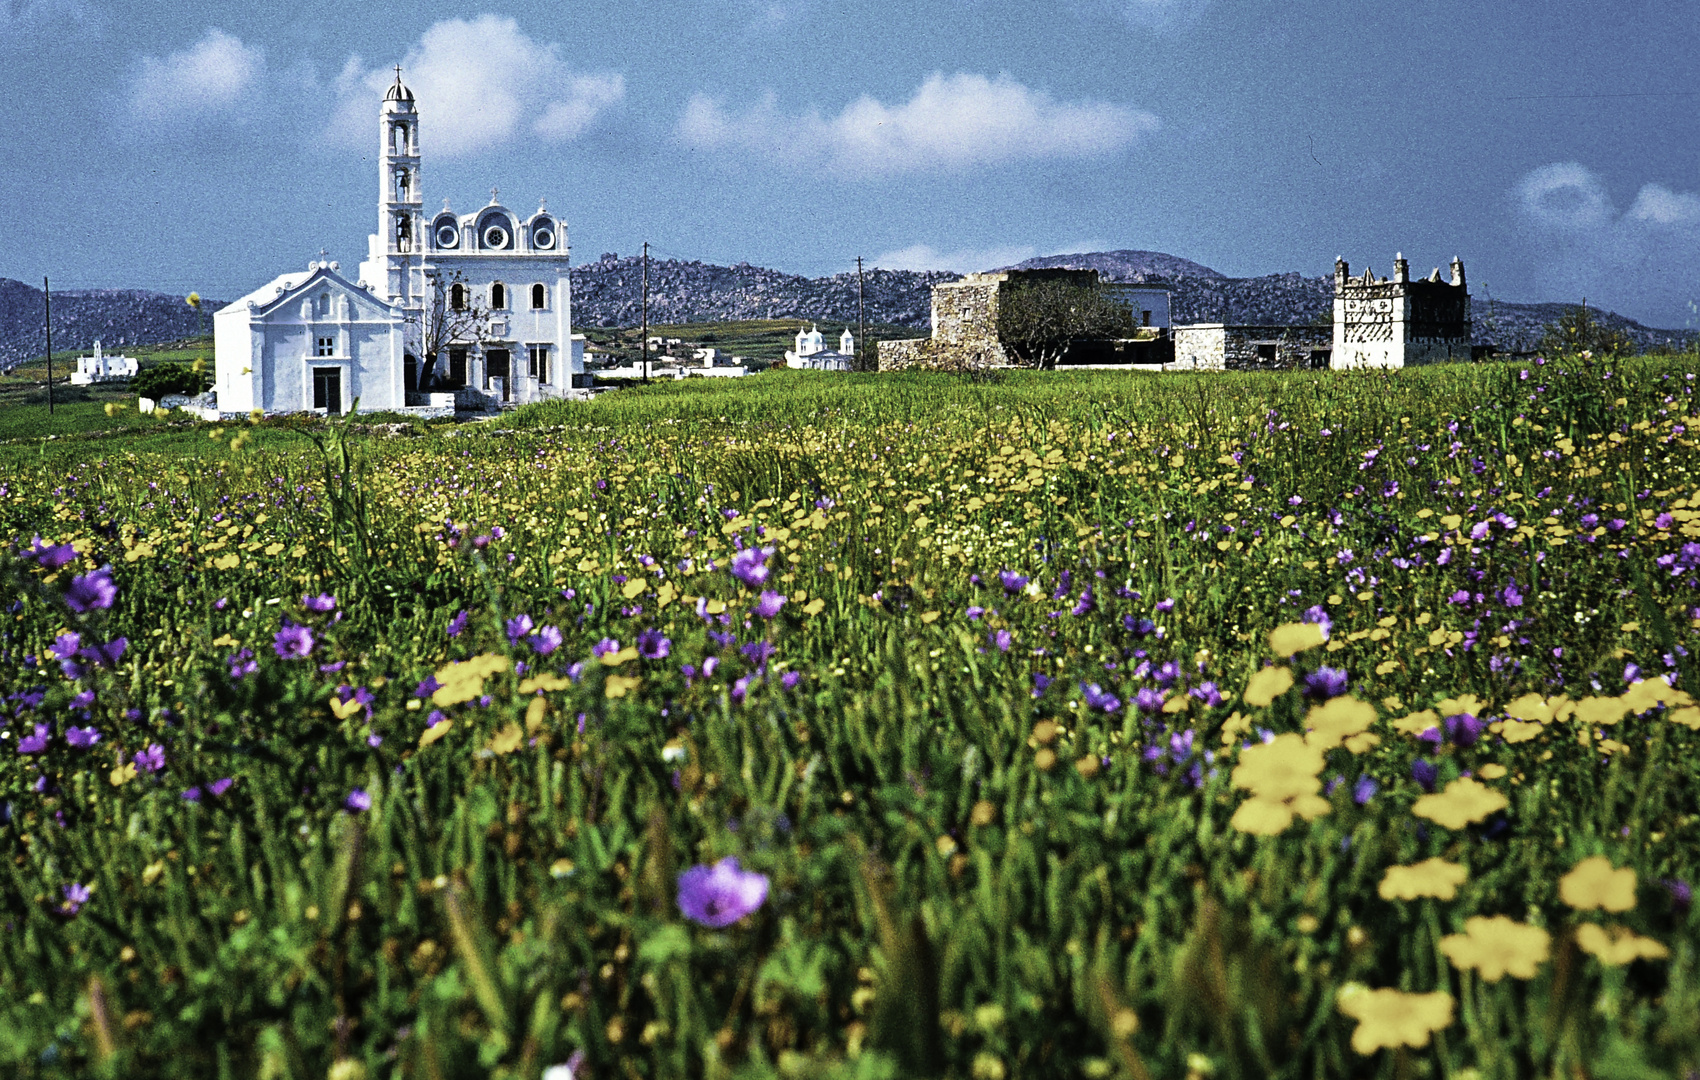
point(608, 292)
point(118, 317)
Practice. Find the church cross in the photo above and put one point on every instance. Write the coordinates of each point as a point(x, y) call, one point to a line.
point(493, 192)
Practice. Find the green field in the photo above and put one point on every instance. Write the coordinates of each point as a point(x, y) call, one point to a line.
point(1063, 725)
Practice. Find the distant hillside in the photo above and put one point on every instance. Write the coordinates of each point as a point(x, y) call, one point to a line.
point(1203, 295)
point(609, 293)
point(1140, 266)
point(118, 317)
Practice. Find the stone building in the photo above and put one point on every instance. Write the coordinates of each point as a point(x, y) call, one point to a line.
point(1222, 347)
point(1396, 322)
point(965, 324)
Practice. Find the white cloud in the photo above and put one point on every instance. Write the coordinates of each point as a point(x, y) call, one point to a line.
point(1639, 262)
point(208, 76)
point(950, 122)
point(480, 83)
point(960, 261)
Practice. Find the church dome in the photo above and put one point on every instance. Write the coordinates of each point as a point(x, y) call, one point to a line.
point(398, 92)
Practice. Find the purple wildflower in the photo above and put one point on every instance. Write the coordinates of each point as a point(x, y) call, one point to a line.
point(357, 801)
point(790, 679)
point(1138, 627)
point(51, 556)
point(322, 603)
point(1364, 790)
point(1097, 698)
point(65, 646)
point(458, 623)
point(750, 566)
point(76, 895)
point(1424, 773)
point(219, 787)
point(150, 760)
point(652, 644)
point(740, 688)
point(1464, 729)
point(36, 743)
point(1149, 699)
point(518, 627)
point(604, 647)
point(721, 894)
point(769, 603)
point(293, 642)
point(82, 738)
point(546, 640)
point(1011, 581)
point(1319, 615)
point(1681, 894)
point(90, 591)
point(1002, 639)
point(192, 794)
point(1325, 683)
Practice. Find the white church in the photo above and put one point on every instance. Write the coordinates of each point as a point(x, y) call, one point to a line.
point(468, 312)
point(811, 353)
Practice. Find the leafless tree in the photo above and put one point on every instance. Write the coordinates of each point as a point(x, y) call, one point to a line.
point(452, 314)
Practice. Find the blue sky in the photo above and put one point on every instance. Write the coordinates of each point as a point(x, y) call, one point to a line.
point(1555, 147)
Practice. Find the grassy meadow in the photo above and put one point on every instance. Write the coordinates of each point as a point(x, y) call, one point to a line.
point(1086, 725)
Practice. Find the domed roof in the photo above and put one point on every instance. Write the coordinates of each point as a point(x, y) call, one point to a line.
point(398, 92)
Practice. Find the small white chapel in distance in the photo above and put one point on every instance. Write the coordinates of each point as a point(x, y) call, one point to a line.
point(811, 353)
point(464, 312)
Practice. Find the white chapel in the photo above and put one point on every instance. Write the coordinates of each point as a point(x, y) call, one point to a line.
point(468, 311)
point(811, 353)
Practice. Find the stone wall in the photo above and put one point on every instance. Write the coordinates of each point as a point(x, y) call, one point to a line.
point(1215, 347)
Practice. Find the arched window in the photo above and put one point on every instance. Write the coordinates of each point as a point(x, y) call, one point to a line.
point(539, 297)
point(323, 304)
point(498, 296)
point(457, 296)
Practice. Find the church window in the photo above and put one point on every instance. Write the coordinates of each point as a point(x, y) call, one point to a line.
point(537, 361)
point(457, 296)
point(539, 297)
point(498, 296)
point(457, 367)
point(322, 305)
point(326, 347)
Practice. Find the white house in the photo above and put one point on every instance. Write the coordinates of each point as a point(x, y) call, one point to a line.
point(811, 353)
point(310, 341)
point(102, 368)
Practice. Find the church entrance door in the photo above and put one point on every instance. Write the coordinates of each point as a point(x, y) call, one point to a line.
point(496, 365)
point(327, 390)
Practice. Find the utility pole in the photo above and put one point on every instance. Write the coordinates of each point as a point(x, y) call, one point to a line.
point(47, 308)
point(643, 339)
point(861, 313)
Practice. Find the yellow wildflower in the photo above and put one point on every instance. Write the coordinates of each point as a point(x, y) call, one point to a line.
point(1267, 685)
point(1431, 877)
point(1651, 693)
point(1617, 945)
point(618, 686)
point(1281, 769)
point(1463, 703)
point(434, 732)
point(457, 683)
point(1596, 710)
point(1393, 1018)
point(1593, 883)
point(1497, 947)
point(1338, 720)
point(1269, 817)
point(1688, 716)
point(1464, 802)
point(507, 740)
point(1417, 722)
point(1534, 709)
point(1491, 771)
point(1292, 638)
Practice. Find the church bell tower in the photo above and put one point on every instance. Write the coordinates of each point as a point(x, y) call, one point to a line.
point(399, 219)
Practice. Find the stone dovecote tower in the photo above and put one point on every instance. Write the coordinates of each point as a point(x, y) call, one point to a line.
point(1396, 322)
